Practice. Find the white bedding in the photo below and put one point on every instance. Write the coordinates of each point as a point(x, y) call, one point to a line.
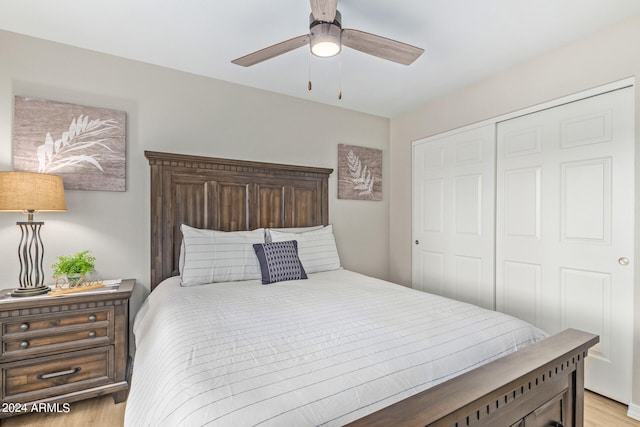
point(322, 351)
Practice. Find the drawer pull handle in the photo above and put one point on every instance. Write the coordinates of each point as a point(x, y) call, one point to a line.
point(58, 374)
point(24, 344)
point(92, 318)
point(24, 327)
point(92, 334)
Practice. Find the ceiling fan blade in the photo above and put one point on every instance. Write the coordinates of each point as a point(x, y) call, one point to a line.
point(272, 51)
point(324, 10)
point(381, 47)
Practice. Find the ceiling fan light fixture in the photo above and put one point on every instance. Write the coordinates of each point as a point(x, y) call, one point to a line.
point(326, 37)
point(325, 40)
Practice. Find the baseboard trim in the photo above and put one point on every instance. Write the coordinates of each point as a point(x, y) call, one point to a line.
point(634, 411)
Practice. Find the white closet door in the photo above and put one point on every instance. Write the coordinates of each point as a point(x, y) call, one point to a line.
point(453, 218)
point(564, 227)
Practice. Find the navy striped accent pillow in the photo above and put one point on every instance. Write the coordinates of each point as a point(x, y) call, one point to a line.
point(279, 261)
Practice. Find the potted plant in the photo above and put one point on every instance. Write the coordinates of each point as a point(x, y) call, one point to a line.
point(74, 267)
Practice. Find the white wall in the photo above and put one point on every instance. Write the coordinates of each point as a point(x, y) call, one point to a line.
point(178, 112)
point(601, 58)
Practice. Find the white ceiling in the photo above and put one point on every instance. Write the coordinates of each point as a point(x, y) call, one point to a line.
point(464, 40)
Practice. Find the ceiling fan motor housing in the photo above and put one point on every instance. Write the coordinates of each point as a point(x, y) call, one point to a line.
point(326, 37)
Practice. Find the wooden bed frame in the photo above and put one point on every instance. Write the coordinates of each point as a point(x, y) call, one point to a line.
point(541, 385)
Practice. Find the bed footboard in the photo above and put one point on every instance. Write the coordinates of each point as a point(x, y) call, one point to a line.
point(541, 385)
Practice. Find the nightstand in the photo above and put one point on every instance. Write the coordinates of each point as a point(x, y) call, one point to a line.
point(65, 348)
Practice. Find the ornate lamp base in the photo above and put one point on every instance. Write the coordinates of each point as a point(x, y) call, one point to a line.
point(29, 292)
point(31, 254)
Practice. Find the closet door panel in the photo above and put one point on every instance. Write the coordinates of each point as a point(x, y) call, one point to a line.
point(453, 215)
point(431, 272)
point(586, 201)
point(467, 205)
point(432, 206)
point(565, 198)
point(593, 291)
point(521, 207)
point(468, 278)
point(521, 291)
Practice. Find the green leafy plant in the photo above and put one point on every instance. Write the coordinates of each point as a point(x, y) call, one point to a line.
point(80, 263)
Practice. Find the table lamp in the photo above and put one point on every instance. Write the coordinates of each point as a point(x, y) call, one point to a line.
point(30, 193)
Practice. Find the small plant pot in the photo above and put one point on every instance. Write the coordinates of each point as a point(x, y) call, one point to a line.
point(75, 279)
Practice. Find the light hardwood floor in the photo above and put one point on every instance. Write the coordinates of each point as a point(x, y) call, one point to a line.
point(602, 412)
point(599, 412)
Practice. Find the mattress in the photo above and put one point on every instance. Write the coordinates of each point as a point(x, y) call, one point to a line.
point(322, 351)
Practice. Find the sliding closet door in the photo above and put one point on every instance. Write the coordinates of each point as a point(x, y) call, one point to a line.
point(564, 227)
point(453, 218)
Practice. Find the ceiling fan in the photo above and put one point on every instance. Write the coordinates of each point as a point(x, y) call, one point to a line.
point(327, 37)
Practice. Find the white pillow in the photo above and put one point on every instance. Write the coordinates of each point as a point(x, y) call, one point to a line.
point(316, 249)
point(267, 235)
point(219, 256)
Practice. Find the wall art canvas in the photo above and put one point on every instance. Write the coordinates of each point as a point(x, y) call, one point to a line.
point(359, 173)
point(84, 145)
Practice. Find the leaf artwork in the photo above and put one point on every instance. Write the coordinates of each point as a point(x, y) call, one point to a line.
point(361, 176)
point(84, 145)
point(71, 148)
point(359, 173)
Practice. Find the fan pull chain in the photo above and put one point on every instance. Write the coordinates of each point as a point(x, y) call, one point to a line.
point(309, 84)
point(340, 76)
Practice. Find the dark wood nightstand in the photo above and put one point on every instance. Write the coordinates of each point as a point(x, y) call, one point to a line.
point(65, 348)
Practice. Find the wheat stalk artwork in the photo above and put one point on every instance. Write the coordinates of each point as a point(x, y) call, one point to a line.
point(360, 176)
point(85, 145)
point(359, 173)
point(70, 148)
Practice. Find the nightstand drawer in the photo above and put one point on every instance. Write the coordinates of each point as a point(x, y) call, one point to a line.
point(97, 334)
point(47, 334)
point(56, 321)
point(44, 376)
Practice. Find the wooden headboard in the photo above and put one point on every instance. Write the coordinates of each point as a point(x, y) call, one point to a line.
point(227, 195)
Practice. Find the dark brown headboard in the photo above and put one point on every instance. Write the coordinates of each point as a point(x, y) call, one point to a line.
point(227, 195)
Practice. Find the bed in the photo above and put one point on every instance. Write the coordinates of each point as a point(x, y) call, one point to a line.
point(333, 348)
